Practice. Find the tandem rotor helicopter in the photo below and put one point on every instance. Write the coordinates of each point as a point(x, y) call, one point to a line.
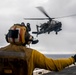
point(49, 26)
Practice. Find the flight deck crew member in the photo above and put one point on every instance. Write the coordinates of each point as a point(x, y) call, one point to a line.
point(18, 39)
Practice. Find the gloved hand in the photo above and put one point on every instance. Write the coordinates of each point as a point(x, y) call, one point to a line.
point(74, 57)
point(35, 41)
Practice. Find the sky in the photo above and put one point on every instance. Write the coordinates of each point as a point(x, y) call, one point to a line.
point(14, 11)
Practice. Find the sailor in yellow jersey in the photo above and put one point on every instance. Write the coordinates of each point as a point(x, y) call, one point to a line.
point(34, 58)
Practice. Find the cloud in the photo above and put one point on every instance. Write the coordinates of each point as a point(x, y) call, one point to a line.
point(13, 11)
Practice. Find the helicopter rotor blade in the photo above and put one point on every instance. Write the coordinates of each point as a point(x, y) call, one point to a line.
point(48, 18)
point(65, 16)
point(36, 18)
point(44, 12)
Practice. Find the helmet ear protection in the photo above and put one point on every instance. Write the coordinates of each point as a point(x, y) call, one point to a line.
point(27, 38)
point(30, 39)
point(19, 35)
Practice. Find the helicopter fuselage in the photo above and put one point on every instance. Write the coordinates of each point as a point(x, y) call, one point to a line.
point(50, 26)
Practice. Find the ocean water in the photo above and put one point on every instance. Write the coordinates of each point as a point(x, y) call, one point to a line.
point(55, 56)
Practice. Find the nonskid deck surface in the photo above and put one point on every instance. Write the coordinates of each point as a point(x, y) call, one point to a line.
point(67, 71)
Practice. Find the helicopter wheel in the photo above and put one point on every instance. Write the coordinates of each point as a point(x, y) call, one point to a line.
point(56, 33)
point(48, 32)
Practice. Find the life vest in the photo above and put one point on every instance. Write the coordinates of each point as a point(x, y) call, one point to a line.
point(16, 34)
point(12, 63)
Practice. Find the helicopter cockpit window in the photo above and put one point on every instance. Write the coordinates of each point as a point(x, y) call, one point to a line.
point(54, 22)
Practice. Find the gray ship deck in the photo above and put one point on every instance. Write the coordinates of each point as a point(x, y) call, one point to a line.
point(66, 71)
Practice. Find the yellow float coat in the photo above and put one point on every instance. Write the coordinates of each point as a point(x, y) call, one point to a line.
point(36, 59)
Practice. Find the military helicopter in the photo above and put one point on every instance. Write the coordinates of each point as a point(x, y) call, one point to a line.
point(49, 26)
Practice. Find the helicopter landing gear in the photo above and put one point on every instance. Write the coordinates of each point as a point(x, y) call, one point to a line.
point(56, 33)
point(48, 32)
